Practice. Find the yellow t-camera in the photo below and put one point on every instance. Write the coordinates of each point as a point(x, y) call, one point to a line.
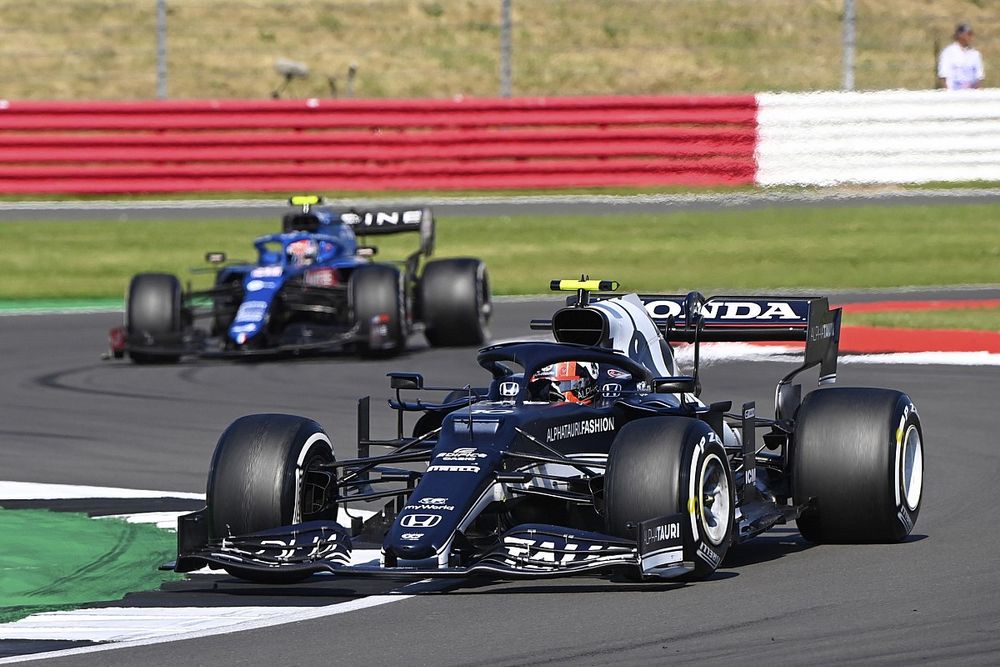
point(589, 285)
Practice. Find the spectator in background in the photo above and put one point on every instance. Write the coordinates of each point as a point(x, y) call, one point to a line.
point(960, 66)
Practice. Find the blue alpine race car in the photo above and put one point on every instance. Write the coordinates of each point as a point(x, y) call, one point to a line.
point(313, 288)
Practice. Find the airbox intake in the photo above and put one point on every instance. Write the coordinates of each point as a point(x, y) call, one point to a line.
point(583, 326)
point(300, 222)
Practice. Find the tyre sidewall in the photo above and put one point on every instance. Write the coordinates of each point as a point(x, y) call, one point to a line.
point(378, 289)
point(256, 475)
point(847, 465)
point(667, 456)
point(154, 312)
point(455, 302)
point(905, 516)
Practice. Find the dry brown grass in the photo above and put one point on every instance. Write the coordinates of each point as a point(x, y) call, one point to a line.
point(105, 49)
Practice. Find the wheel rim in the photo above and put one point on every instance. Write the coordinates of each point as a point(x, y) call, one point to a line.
point(314, 486)
point(913, 467)
point(315, 491)
point(716, 499)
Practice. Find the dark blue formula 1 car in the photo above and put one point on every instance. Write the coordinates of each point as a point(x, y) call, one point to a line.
point(590, 453)
point(313, 288)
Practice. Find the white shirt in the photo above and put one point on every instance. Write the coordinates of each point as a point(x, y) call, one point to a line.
point(960, 67)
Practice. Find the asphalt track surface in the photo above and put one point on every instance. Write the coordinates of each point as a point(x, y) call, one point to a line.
point(67, 417)
point(505, 205)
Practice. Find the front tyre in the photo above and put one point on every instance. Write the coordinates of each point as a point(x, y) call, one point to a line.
point(667, 465)
point(265, 474)
point(455, 302)
point(857, 465)
point(153, 313)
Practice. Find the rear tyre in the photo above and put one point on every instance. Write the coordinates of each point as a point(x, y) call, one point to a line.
point(665, 465)
point(378, 301)
point(153, 313)
point(858, 464)
point(455, 302)
point(265, 474)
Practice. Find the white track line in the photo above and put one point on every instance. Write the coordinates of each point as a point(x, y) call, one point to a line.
point(785, 195)
point(925, 358)
point(35, 491)
point(145, 627)
point(712, 353)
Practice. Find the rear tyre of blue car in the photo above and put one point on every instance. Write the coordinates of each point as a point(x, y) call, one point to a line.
point(666, 465)
point(153, 314)
point(455, 302)
point(265, 474)
point(378, 300)
point(857, 465)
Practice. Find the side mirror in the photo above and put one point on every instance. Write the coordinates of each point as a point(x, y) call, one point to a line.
point(682, 384)
point(215, 257)
point(406, 380)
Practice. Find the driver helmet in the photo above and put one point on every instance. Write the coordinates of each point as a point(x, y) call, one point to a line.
point(571, 381)
point(302, 252)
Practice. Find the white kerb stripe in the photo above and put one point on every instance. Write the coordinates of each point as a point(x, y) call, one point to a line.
point(34, 491)
point(131, 627)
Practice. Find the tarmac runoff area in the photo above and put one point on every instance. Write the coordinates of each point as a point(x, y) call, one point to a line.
point(959, 346)
point(69, 419)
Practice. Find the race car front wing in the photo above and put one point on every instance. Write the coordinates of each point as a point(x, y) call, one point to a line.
point(524, 551)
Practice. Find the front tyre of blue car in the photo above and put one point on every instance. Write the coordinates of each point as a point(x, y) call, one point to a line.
point(154, 316)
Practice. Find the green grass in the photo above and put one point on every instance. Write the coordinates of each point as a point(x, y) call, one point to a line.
point(105, 49)
point(841, 247)
point(62, 560)
point(970, 319)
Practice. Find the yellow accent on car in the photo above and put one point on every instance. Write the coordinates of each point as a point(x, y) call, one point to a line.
point(573, 285)
point(692, 505)
point(304, 200)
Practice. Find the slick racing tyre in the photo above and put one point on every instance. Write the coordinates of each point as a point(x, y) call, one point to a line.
point(665, 465)
point(857, 465)
point(455, 302)
point(265, 474)
point(378, 300)
point(153, 313)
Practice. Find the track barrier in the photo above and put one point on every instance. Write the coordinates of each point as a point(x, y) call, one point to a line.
point(821, 138)
point(895, 136)
point(331, 145)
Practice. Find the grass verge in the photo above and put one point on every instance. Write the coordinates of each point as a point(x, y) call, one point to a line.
point(795, 248)
point(971, 319)
point(64, 560)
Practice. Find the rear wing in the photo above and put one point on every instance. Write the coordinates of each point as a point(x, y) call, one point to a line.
point(365, 222)
point(373, 222)
point(733, 318)
point(692, 318)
